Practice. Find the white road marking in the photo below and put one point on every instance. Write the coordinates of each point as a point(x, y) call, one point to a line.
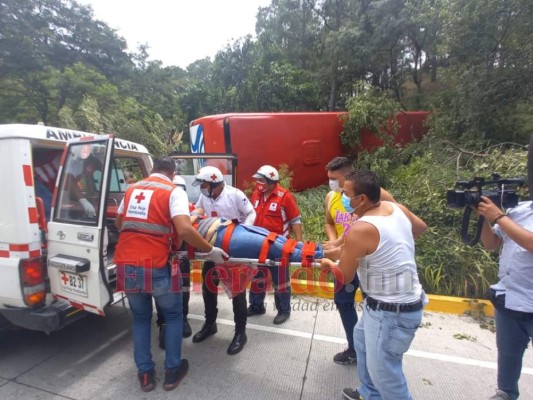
point(333, 339)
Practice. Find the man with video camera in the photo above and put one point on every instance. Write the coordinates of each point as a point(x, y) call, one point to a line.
point(512, 296)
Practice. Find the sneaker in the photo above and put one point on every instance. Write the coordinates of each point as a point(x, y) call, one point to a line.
point(351, 394)
point(345, 357)
point(252, 310)
point(147, 381)
point(173, 377)
point(500, 395)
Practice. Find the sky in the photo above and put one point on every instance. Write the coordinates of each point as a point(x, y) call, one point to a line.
point(179, 32)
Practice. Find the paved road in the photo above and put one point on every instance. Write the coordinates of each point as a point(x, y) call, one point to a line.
point(453, 357)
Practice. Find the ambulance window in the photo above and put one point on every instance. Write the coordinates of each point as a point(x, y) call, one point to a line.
point(79, 191)
point(126, 171)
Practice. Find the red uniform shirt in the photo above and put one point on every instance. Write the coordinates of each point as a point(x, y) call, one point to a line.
point(146, 224)
point(276, 211)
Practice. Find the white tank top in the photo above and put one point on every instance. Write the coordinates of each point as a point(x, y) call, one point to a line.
point(389, 274)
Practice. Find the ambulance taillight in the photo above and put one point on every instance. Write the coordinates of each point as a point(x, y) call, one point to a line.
point(32, 276)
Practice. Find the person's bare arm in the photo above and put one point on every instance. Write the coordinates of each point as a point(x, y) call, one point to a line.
point(362, 239)
point(516, 233)
point(386, 196)
point(418, 226)
point(329, 244)
point(329, 226)
point(185, 231)
point(297, 231)
point(72, 186)
point(489, 239)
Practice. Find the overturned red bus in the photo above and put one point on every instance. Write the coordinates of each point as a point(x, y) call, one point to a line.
point(306, 142)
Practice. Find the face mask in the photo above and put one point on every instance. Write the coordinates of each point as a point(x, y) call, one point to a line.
point(205, 192)
point(261, 187)
point(334, 185)
point(346, 204)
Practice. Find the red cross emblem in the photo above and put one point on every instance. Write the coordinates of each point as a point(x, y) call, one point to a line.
point(272, 174)
point(213, 177)
point(140, 197)
point(64, 278)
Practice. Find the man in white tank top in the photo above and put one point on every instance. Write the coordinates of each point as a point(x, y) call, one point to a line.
point(380, 246)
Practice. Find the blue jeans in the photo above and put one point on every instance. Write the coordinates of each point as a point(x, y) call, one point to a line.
point(514, 330)
point(282, 289)
point(344, 298)
point(381, 339)
point(140, 285)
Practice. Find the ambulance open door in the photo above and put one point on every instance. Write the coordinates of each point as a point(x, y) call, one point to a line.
point(76, 235)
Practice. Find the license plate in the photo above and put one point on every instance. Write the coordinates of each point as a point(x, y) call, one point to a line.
point(73, 283)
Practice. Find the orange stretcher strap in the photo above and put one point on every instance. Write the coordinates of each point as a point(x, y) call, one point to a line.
point(308, 254)
point(287, 250)
point(265, 247)
point(228, 233)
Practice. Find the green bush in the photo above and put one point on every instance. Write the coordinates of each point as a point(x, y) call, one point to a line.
point(418, 176)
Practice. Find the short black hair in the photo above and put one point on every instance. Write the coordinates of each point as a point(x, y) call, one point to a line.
point(339, 163)
point(367, 183)
point(165, 165)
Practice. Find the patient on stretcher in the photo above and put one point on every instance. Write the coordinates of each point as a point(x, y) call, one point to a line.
point(253, 242)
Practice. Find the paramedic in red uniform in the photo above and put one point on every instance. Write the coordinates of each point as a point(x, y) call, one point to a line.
point(179, 252)
point(277, 212)
point(218, 199)
point(149, 211)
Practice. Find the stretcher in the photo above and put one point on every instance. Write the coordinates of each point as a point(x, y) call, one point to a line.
point(250, 247)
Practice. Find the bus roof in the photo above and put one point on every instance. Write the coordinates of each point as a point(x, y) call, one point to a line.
point(60, 135)
point(216, 117)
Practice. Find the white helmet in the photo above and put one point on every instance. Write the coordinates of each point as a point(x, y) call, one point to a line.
point(179, 181)
point(208, 174)
point(268, 172)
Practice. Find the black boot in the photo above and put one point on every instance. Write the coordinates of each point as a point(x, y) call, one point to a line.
point(187, 330)
point(237, 344)
point(206, 331)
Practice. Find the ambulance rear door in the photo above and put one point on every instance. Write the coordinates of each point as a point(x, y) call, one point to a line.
point(76, 241)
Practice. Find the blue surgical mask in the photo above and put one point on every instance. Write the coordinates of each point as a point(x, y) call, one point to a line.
point(206, 192)
point(346, 203)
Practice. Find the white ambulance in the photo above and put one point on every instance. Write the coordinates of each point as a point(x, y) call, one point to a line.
point(57, 236)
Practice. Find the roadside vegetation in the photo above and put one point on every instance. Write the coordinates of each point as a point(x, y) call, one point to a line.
point(419, 176)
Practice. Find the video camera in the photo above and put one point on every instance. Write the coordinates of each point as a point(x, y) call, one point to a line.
point(470, 196)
